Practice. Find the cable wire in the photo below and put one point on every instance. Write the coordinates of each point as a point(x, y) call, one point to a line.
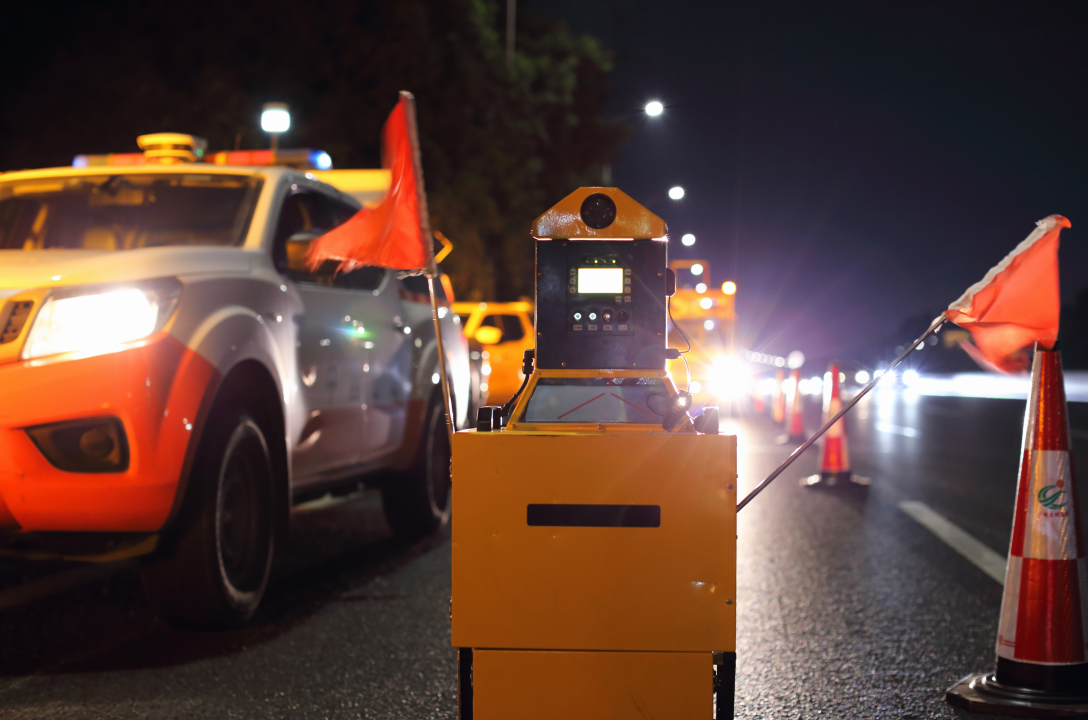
point(679, 329)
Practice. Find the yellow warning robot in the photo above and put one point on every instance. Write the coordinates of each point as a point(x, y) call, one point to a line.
point(594, 551)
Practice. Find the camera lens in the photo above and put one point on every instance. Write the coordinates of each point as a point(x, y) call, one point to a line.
point(598, 211)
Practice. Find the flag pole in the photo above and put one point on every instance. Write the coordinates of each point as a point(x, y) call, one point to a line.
point(933, 327)
point(431, 270)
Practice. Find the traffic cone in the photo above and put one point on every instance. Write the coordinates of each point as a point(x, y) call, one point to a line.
point(778, 399)
point(1042, 640)
point(757, 397)
point(834, 455)
point(796, 426)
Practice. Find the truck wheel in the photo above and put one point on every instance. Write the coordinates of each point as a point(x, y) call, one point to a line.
point(215, 571)
point(418, 500)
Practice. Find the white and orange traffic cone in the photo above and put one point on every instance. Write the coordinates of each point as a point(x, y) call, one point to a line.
point(795, 432)
point(794, 422)
point(834, 455)
point(757, 397)
point(778, 398)
point(1042, 640)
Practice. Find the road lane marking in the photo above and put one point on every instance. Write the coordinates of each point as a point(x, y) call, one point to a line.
point(897, 429)
point(982, 556)
point(53, 584)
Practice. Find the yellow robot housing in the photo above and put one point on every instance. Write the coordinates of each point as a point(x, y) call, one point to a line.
point(594, 552)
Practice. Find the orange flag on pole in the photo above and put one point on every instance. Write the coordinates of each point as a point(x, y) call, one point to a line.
point(396, 233)
point(1017, 304)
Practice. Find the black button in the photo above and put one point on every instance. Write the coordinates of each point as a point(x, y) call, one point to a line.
point(622, 316)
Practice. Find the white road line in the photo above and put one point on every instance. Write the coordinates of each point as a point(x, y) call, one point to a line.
point(983, 557)
point(53, 584)
point(897, 429)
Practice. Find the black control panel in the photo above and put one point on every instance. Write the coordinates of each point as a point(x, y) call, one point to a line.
point(601, 304)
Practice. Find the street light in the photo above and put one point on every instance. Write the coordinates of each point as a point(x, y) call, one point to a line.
point(275, 119)
point(696, 269)
point(676, 192)
point(654, 108)
point(729, 287)
point(688, 239)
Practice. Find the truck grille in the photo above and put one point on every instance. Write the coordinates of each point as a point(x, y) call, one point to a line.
point(14, 324)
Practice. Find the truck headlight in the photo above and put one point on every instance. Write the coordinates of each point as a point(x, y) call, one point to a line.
point(100, 319)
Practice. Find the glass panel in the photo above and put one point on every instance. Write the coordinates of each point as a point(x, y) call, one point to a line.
point(606, 281)
point(126, 212)
point(598, 400)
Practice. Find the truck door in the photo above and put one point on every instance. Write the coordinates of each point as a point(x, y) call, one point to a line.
point(330, 341)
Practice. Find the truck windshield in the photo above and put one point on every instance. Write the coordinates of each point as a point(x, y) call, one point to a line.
point(126, 211)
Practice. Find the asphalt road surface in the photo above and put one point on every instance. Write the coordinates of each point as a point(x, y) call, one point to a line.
point(848, 606)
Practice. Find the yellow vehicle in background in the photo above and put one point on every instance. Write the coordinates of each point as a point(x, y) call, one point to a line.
point(500, 332)
point(704, 315)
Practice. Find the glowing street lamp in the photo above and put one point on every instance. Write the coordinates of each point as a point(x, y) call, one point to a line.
point(688, 239)
point(676, 192)
point(275, 119)
point(729, 287)
point(654, 108)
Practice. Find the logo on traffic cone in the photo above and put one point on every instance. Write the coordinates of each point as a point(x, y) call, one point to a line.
point(778, 399)
point(1042, 640)
point(834, 456)
point(795, 432)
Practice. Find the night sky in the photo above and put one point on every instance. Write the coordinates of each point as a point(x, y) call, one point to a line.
point(850, 164)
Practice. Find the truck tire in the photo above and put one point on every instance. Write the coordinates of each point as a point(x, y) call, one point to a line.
point(417, 501)
point(215, 567)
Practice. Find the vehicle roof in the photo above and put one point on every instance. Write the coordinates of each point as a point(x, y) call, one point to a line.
point(466, 306)
point(178, 168)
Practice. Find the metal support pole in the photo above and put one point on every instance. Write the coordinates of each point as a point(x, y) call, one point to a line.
point(934, 327)
point(511, 31)
point(442, 374)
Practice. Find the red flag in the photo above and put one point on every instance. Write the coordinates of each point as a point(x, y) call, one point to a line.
point(1017, 304)
point(392, 235)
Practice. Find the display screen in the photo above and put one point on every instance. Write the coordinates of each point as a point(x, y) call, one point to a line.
point(604, 281)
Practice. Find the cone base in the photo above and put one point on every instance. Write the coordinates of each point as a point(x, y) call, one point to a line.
point(1059, 679)
point(836, 480)
point(982, 693)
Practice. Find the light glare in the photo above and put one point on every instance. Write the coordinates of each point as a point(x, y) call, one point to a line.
point(688, 239)
point(92, 323)
point(696, 269)
point(276, 120)
point(708, 324)
point(676, 192)
point(706, 303)
point(700, 288)
point(729, 287)
point(861, 377)
point(654, 108)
